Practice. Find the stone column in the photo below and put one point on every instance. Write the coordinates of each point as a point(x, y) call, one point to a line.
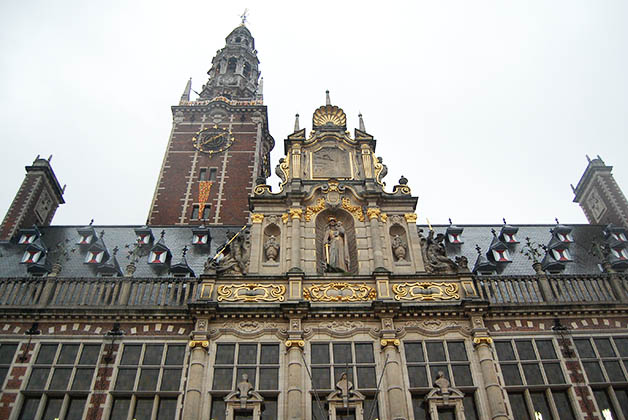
point(494, 392)
point(295, 396)
point(376, 242)
point(397, 405)
point(295, 255)
point(257, 242)
point(196, 378)
point(546, 289)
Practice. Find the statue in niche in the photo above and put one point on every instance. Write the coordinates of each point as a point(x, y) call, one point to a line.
point(271, 249)
point(435, 255)
point(335, 245)
point(399, 248)
point(244, 389)
point(234, 256)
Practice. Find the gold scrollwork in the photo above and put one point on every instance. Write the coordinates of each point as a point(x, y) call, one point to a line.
point(403, 189)
point(261, 189)
point(379, 167)
point(257, 217)
point(384, 217)
point(373, 213)
point(199, 343)
point(311, 211)
point(285, 168)
point(339, 292)
point(355, 210)
point(410, 217)
point(295, 343)
point(333, 186)
point(482, 340)
point(285, 217)
point(426, 291)
point(251, 292)
point(295, 213)
point(384, 342)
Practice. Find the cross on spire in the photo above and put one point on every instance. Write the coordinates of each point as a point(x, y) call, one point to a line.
point(244, 15)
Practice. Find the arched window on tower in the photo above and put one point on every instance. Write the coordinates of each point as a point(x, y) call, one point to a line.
point(237, 40)
point(231, 67)
point(246, 42)
point(247, 70)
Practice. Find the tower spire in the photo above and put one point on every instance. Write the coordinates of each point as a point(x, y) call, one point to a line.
point(296, 123)
point(328, 100)
point(362, 128)
point(185, 97)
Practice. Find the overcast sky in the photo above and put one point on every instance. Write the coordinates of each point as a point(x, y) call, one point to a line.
point(487, 107)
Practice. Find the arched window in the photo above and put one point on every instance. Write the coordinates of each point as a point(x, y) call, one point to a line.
point(247, 70)
point(237, 40)
point(231, 67)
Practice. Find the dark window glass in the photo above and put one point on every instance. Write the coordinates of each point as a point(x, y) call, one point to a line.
point(3, 375)
point(120, 408)
point(89, 356)
point(539, 401)
point(53, 408)
point(613, 370)
point(417, 376)
point(446, 414)
point(456, 350)
point(462, 375)
point(247, 354)
point(546, 349)
point(584, 348)
point(320, 354)
point(321, 378)
point(622, 346)
point(202, 174)
point(270, 409)
point(518, 405)
point(532, 373)
point(83, 378)
point(319, 410)
point(143, 408)
point(269, 378)
point(504, 350)
point(171, 379)
point(38, 378)
point(604, 347)
point(175, 355)
point(152, 354)
point(6, 353)
point(218, 409)
point(126, 379)
point(167, 409)
point(419, 407)
point(29, 408)
point(224, 354)
point(250, 372)
point(148, 380)
point(603, 401)
point(212, 174)
point(554, 373)
point(222, 378)
point(414, 352)
point(46, 354)
point(511, 374)
point(364, 353)
point(622, 398)
point(194, 212)
point(60, 379)
point(366, 377)
point(243, 415)
point(594, 373)
point(206, 211)
point(525, 350)
point(470, 411)
point(270, 354)
point(75, 410)
point(435, 351)
point(434, 369)
point(131, 355)
point(371, 410)
point(67, 356)
point(561, 399)
point(342, 353)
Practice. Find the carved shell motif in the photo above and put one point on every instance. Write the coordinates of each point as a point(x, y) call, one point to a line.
point(329, 114)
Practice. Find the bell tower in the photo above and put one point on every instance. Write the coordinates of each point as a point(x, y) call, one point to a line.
point(219, 146)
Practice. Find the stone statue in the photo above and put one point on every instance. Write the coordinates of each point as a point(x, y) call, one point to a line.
point(399, 248)
point(344, 387)
point(335, 247)
point(434, 254)
point(235, 255)
point(271, 249)
point(442, 383)
point(383, 172)
point(279, 172)
point(244, 389)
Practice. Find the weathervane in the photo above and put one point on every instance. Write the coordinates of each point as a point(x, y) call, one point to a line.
point(243, 16)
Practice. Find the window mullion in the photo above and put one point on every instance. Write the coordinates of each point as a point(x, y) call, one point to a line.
point(155, 407)
point(64, 406)
point(42, 406)
point(550, 400)
point(615, 403)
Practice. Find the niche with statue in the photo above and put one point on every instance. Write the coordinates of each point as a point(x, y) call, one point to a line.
point(336, 250)
point(271, 246)
point(399, 245)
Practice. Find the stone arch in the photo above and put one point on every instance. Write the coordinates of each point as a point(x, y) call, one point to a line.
point(349, 227)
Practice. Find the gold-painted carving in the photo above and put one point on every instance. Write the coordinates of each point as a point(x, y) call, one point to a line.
point(204, 188)
point(482, 340)
point(257, 217)
point(285, 217)
point(295, 213)
point(199, 343)
point(410, 217)
point(427, 290)
point(339, 292)
point(333, 186)
point(206, 290)
point(311, 211)
point(403, 189)
point(329, 114)
point(373, 213)
point(295, 343)
point(285, 168)
point(261, 189)
point(355, 210)
point(251, 292)
point(384, 342)
point(379, 167)
point(384, 217)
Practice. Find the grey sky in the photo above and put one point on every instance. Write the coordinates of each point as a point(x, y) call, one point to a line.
point(487, 107)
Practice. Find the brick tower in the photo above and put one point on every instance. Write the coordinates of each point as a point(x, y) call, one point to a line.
point(219, 146)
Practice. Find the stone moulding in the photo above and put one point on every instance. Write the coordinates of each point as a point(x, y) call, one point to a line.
point(339, 292)
point(251, 292)
point(426, 291)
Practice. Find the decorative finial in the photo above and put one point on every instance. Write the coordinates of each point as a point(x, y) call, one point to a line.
point(185, 97)
point(493, 232)
point(504, 219)
point(450, 223)
point(243, 16)
point(296, 123)
point(91, 222)
point(362, 128)
point(588, 158)
point(478, 249)
point(573, 189)
point(102, 234)
point(50, 158)
point(162, 234)
point(328, 100)
point(185, 251)
point(63, 189)
point(403, 180)
point(557, 222)
point(115, 250)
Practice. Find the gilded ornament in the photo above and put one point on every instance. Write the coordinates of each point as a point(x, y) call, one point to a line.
point(295, 213)
point(384, 217)
point(261, 189)
point(410, 217)
point(251, 292)
point(329, 114)
point(355, 210)
point(285, 217)
point(257, 217)
point(426, 291)
point(403, 189)
point(311, 211)
point(482, 340)
point(204, 188)
point(384, 342)
point(295, 343)
point(199, 343)
point(373, 213)
point(333, 186)
point(339, 292)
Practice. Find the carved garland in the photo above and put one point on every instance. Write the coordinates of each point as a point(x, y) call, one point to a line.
point(339, 292)
point(251, 292)
point(355, 210)
point(426, 291)
point(311, 211)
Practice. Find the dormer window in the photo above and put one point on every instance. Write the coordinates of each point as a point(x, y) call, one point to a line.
point(86, 239)
point(564, 237)
point(619, 236)
point(143, 238)
point(87, 235)
point(454, 238)
point(200, 239)
point(157, 257)
point(501, 255)
point(32, 256)
point(561, 254)
point(454, 234)
point(27, 238)
point(620, 253)
point(509, 238)
point(94, 256)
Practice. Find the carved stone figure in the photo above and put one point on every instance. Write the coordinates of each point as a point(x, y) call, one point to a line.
point(279, 172)
point(399, 248)
point(244, 389)
point(442, 383)
point(344, 388)
point(335, 245)
point(383, 172)
point(235, 255)
point(434, 254)
point(271, 249)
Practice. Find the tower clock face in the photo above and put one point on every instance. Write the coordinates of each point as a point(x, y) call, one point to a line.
point(213, 140)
